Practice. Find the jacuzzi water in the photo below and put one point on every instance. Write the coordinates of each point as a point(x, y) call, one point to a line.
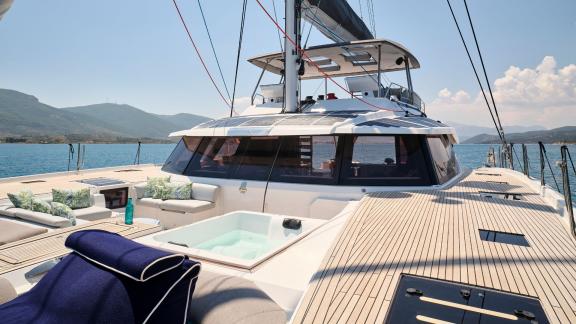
point(239, 244)
point(242, 238)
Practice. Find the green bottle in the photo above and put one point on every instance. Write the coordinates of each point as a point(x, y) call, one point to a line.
point(129, 214)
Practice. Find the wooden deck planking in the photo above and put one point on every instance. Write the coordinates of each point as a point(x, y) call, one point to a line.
point(435, 234)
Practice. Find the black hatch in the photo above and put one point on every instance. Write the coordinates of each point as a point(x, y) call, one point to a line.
point(423, 300)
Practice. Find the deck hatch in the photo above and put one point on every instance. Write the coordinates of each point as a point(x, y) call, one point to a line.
point(501, 195)
point(424, 300)
point(503, 237)
point(32, 181)
point(101, 182)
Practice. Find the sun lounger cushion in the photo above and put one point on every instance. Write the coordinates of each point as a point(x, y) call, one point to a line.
point(126, 257)
point(7, 210)
point(186, 206)
point(225, 299)
point(41, 218)
point(7, 291)
point(206, 192)
point(12, 231)
point(79, 290)
point(92, 213)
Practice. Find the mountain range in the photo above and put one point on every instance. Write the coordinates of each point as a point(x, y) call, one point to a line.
point(565, 134)
point(23, 115)
point(468, 131)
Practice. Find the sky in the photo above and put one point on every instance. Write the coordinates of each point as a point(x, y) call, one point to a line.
point(71, 53)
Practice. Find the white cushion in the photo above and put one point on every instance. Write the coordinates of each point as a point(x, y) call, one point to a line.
point(12, 231)
point(150, 202)
point(225, 299)
point(92, 213)
point(7, 291)
point(186, 206)
point(206, 192)
point(41, 218)
point(140, 189)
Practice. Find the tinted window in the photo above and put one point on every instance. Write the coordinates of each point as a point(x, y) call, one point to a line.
point(181, 155)
point(444, 159)
point(385, 161)
point(215, 157)
point(257, 158)
point(307, 159)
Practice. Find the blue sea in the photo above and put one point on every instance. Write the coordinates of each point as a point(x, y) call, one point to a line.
point(27, 159)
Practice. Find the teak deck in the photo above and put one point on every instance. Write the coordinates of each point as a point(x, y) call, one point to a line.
point(435, 234)
point(44, 247)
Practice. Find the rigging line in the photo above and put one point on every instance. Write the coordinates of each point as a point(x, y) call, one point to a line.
point(551, 171)
point(361, 12)
point(214, 50)
point(299, 49)
point(571, 162)
point(475, 71)
point(277, 31)
point(240, 39)
point(319, 21)
point(198, 53)
point(484, 68)
point(311, 25)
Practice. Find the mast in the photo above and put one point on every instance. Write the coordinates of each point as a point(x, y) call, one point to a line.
point(291, 62)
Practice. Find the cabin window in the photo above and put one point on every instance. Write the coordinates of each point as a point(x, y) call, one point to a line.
point(384, 161)
point(307, 159)
point(444, 159)
point(181, 155)
point(256, 159)
point(215, 157)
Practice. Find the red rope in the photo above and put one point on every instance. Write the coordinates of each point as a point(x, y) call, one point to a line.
point(198, 53)
point(303, 53)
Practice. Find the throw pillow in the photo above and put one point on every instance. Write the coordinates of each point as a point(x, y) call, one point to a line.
point(74, 199)
point(153, 184)
point(59, 209)
point(162, 192)
point(23, 199)
point(41, 206)
point(180, 191)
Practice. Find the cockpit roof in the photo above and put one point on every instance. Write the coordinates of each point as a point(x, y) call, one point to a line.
point(327, 123)
point(345, 59)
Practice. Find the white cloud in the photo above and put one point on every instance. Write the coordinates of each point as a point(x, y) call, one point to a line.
point(544, 95)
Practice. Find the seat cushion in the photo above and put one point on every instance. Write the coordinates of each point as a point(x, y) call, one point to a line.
point(186, 206)
point(150, 202)
point(7, 291)
point(224, 299)
point(41, 218)
point(140, 189)
point(206, 192)
point(12, 231)
point(92, 213)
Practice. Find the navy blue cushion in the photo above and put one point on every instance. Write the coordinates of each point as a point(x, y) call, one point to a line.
point(132, 259)
point(78, 290)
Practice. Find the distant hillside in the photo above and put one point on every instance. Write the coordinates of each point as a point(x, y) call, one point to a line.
point(558, 135)
point(22, 115)
point(468, 131)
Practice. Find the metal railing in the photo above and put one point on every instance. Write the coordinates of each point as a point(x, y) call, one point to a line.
point(566, 157)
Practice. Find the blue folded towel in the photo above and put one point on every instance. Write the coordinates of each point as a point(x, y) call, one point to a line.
point(131, 259)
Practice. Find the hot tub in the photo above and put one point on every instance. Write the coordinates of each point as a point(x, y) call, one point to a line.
point(242, 239)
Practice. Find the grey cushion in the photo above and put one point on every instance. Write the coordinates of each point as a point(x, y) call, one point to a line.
point(12, 231)
point(206, 192)
point(7, 291)
point(150, 202)
point(224, 299)
point(186, 206)
point(140, 189)
point(41, 218)
point(7, 210)
point(92, 213)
